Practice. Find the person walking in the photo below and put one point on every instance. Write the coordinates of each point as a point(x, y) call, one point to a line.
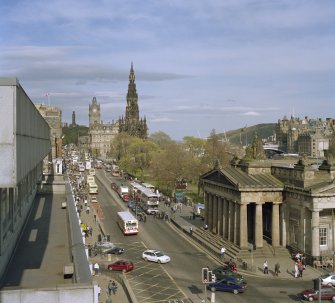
point(222, 252)
point(191, 230)
point(109, 287)
point(113, 287)
point(266, 267)
point(300, 269)
point(296, 269)
point(277, 269)
point(96, 269)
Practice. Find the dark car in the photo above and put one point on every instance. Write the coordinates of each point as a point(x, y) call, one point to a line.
point(227, 285)
point(131, 204)
point(121, 265)
point(224, 271)
point(114, 186)
point(327, 293)
point(117, 250)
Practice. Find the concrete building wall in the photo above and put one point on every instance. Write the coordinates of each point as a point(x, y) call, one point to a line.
point(24, 142)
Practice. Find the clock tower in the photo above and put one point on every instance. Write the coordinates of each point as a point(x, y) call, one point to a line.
point(94, 112)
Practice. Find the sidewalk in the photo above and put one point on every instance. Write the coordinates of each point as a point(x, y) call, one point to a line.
point(94, 219)
point(183, 219)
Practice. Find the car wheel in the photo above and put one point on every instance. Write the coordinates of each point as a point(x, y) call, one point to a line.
point(310, 299)
point(145, 259)
point(109, 268)
point(330, 284)
point(333, 299)
point(159, 261)
point(235, 291)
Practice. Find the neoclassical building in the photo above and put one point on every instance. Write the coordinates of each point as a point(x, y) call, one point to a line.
point(257, 203)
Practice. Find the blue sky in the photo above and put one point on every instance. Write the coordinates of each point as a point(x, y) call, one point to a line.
point(199, 65)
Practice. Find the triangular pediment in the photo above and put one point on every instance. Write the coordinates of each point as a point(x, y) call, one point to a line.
point(220, 177)
point(323, 188)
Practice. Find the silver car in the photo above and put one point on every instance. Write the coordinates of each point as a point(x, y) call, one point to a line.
point(155, 256)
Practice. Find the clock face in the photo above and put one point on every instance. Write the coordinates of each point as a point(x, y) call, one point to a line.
point(94, 110)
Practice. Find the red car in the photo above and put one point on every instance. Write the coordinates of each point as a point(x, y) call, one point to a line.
point(327, 293)
point(121, 265)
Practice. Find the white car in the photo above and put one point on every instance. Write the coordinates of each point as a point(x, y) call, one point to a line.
point(155, 256)
point(328, 279)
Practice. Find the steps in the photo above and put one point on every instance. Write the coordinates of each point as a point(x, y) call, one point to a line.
point(214, 243)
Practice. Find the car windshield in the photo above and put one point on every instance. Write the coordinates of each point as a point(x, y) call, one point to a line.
point(159, 254)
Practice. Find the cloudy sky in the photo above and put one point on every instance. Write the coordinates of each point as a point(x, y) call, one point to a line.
point(199, 64)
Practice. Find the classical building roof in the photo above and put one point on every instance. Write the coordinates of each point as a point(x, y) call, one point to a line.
point(237, 178)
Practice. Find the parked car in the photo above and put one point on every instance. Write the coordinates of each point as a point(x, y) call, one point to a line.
point(227, 285)
point(114, 186)
point(327, 293)
point(131, 204)
point(224, 271)
point(155, 256)
point(121, 265)
point(328, 279)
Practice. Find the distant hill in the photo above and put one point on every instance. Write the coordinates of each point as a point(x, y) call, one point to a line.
point(245, 135)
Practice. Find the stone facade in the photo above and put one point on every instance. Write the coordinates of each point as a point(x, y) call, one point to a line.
point(290, 206)
point(304, 136)
point(100, 134)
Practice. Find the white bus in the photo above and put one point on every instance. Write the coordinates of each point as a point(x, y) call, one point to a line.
point(127, 223)
point(149, 186)
point(92, 188)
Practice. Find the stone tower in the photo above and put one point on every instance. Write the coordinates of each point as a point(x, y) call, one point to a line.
point(73, 119)
point(131, 123)
point(94, 112)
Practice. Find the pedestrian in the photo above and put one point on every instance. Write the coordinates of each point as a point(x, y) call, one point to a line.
point(193, 215)
point(109, 287)
point(96, 269)
point(191, 230)
point(113, 287)
point(296, 269)
point(300, 269)
point(265, 267)
point(277, 269)
point(95, 218)
point(222, 252)
point(87, 209)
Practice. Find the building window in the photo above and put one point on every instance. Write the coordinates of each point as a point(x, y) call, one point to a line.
point(323, 235)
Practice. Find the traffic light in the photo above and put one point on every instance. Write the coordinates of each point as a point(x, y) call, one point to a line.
point(205, 275)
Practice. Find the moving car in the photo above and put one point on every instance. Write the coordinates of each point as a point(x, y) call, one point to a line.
point(121, 265)
point(224, 271)
point(328, 279)
point(327, 293)
point(155, 256)
point(227, 285)
point(116, 250)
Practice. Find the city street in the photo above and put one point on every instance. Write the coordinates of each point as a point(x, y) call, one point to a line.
point(181, 277)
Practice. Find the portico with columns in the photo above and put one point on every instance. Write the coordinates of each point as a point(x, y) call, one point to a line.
point(251, 204)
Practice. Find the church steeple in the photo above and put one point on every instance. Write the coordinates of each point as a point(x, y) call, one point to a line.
point(131, 122)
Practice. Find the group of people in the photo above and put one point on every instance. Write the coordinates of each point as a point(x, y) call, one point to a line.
point(299, 265)
point(266, 268)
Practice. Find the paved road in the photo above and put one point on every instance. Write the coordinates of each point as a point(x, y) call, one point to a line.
point(184, 271)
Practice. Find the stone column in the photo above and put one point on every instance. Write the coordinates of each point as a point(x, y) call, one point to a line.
point(215, 214)
point(259, 225)
point(237, 224)
point(226, 219)
point(220, 216)
point(283, 222)
point(275, 225)
point(302, 232)
point(206, 208)
point(210, 212)
point(231, 221)
point(243, 227)
point(315, 234)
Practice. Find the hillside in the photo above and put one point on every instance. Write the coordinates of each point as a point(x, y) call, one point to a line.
point(245, 135)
